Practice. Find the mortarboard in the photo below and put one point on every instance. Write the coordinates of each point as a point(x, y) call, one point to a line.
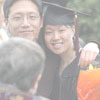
point(60, 2)
point(55, 14)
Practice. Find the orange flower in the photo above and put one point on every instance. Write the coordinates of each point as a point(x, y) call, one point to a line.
point(88, 87)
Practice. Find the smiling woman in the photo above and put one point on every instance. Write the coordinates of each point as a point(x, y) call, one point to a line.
point(60, 77)
point(58, 38)
point(59, 46)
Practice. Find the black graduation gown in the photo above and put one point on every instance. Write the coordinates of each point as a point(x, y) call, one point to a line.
point(48, 77)
point(65, 85)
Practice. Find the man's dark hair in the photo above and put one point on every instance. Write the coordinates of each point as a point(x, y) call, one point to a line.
point(21, 61)
point(8, 3)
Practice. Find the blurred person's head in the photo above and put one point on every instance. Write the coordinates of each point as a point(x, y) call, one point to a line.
point(21, 63)
point(23, 18)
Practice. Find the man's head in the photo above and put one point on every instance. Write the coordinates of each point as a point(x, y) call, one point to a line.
point(23, 17)
point(21, 63)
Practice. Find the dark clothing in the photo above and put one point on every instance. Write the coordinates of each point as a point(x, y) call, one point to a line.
point(46, 83)
point(11, 93)
point(64, 87)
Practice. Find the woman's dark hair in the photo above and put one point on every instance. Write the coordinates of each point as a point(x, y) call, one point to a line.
point(8, 3)
point(52, 64)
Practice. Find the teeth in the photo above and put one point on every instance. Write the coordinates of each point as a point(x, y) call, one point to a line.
point(57, 45)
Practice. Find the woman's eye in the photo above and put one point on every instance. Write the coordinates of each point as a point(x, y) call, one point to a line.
point(48, 32)
point(62, 30)
point(17, 18)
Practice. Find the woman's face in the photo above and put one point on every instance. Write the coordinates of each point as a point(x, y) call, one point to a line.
point(59, 38)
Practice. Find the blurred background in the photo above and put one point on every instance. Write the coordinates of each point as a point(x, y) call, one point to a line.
point(89, 27)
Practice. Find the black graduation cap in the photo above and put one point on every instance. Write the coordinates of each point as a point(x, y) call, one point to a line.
point(56, 14)
point(60, 2)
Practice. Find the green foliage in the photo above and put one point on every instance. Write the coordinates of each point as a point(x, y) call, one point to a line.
point(89, 26)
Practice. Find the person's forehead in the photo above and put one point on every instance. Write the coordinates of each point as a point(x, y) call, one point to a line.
point(56, 26)
point(24, 6)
